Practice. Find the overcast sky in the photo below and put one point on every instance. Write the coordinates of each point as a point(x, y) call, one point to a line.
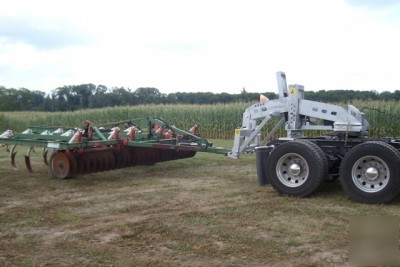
point(208, 45)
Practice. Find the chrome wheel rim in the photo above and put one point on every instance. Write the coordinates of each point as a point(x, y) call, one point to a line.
point(370, 174)
point(292, 170)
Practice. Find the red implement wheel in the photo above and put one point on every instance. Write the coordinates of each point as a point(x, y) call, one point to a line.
point(119, 159)
point(93, 166)
point(73, 164)
point(156, 155)
point(86, 160)
point(136, 156)
point(150, 155)
point(60, 165)
point(81, 165)
point(111, 160)
point(127, 160)
point(102, 163)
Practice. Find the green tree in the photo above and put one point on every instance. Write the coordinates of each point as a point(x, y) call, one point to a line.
point(147, 95)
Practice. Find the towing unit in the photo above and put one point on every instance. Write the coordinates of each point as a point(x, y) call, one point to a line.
point(369, 168)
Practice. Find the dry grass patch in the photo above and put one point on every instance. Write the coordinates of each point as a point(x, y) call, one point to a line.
point(207, 210)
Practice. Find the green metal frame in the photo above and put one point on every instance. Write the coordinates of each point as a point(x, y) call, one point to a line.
point(145, 137)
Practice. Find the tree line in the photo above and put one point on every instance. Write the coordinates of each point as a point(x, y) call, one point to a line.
point(74, 97)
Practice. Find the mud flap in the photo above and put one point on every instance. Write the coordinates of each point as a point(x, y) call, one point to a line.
point(262, 153)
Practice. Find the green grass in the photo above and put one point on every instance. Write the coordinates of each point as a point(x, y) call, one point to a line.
point(207, 210)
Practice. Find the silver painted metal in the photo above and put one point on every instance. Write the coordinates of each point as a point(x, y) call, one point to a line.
point(372, 173)
point(295, 169)
point(292, 170)
point(299, 114)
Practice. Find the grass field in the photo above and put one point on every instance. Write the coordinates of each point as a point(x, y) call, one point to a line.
point(203, 211)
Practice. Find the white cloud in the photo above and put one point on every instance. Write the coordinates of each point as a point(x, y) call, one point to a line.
point(374, 3)
point(200, 46)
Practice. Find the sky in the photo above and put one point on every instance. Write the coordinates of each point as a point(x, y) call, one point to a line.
point(208, 46)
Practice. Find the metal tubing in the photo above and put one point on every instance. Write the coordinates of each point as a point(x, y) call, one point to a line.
point(102, 137)
point(273, 131)
point(255, 133)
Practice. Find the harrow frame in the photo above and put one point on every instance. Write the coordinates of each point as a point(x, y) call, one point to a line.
point(96, 148)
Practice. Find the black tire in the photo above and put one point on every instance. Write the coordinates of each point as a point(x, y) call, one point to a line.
point(305, 172)
point(321, 155)
point(370, 172)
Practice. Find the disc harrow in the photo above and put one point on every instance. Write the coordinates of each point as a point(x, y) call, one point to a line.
point(99, 148)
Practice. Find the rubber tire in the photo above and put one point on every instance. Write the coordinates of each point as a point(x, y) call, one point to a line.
point(321, 155)
point(389, 155)
point(316, 166)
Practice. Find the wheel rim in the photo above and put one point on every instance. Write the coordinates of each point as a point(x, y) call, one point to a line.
point(292, 170)
point(370, 174)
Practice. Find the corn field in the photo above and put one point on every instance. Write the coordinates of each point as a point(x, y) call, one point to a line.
point(214, 121)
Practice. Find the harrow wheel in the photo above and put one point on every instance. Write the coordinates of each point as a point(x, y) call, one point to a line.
point(151, 157)
point(99, 162)
point(105, 162)
point(111, 160)
point(73, 164)
point(87, 163)
point(126, 156)
point(68, 163)
point(92, 163)
point(104, 159)
point(62, 165)
point(138, 157)
point(81, 165)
